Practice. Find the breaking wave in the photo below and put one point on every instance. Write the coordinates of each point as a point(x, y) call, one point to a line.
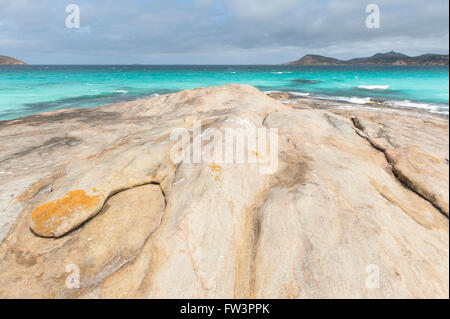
point(374, 87)
point(442, 109)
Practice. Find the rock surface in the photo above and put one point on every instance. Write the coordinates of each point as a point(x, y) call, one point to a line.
point(97, 190)
point(419, 157)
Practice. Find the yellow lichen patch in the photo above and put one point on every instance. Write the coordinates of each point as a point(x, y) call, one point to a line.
point(257, 155)
point(50, 216)
point(217, 172)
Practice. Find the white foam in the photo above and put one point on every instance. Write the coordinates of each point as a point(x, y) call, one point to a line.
point(122, 91)
point(270, 92)
point(291, 93)
point(434, 108)
point(354, 99)
point(374, 87)
point(359, 100)
point(299, 93)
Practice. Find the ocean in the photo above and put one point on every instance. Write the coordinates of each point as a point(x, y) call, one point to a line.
point(27, 90)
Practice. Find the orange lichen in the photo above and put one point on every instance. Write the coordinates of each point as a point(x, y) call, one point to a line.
point(48, 217)
point(216, 168)
point(217, 171)
point(257, 155)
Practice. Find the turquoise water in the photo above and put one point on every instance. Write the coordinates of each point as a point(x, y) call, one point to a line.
point(26, 90)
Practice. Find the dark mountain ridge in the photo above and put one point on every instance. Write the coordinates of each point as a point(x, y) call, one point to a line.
point(389, 58)
point(6, 60)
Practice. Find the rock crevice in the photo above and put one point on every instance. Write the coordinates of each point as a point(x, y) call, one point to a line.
point(393, 157)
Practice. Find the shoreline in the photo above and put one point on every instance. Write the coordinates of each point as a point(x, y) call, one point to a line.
point(289, 98)
point(93, 86)
point(330, 103)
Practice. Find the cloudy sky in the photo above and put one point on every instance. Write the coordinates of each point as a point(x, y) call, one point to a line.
point(217, 32)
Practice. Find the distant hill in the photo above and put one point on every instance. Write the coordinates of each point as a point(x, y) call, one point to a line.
point(6, 60)
point(390, 58)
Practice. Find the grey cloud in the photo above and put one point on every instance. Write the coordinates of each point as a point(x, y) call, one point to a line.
point(209, 31)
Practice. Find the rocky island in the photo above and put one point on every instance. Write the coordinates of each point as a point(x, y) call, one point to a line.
point(358, 207)
point(389, 58)
point(6, 60)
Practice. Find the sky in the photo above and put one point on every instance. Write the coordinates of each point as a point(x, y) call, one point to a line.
point(217, 32)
